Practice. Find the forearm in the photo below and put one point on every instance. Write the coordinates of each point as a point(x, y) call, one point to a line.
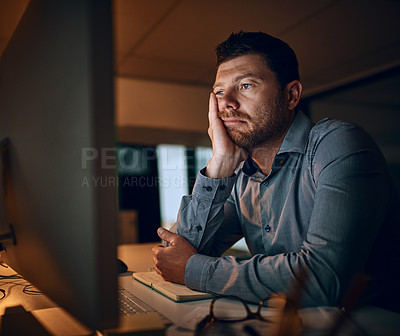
point(202, 213)
point(261, 276)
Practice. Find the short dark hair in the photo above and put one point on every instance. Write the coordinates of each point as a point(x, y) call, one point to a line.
point(279, 57)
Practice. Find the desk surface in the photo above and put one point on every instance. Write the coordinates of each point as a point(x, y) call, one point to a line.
point(13, 285)
point(138, 257)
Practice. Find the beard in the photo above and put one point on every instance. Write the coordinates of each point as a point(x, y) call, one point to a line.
point(270, 121)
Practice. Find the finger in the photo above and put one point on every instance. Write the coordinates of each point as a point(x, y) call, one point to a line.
point(157, 270)
point(212, 108)
point(156, 248)
point(166, 235)
point(155, 251)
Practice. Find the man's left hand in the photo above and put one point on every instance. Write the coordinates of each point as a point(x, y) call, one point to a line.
point(170, 262)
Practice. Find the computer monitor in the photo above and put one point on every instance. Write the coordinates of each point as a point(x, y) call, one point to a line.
point(56, 115)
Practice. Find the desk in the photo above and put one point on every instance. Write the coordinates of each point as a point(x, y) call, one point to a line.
point(375, 321)
point(138, 257)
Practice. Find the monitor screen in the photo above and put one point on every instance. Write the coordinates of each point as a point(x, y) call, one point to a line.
point(57, 133)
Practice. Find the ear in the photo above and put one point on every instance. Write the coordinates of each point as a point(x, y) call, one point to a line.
point(293, 90)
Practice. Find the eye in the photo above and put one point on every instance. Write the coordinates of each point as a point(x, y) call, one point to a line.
point(219, 93)
point(245, 86)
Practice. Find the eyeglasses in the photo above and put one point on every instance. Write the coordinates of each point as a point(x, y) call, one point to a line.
point(231, 309)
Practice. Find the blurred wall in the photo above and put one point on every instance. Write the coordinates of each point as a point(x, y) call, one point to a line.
point(160, 105)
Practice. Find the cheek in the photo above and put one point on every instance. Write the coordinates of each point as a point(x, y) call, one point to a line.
point(219, 104)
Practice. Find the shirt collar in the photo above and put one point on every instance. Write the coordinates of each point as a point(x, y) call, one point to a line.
point(296, 137)
point(295, 140)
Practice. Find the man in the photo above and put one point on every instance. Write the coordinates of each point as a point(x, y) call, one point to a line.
point(309, 199)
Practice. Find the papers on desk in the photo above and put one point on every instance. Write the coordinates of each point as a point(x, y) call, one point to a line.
point(173, 291)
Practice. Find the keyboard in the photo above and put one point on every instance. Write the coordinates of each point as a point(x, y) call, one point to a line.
point(130, 304)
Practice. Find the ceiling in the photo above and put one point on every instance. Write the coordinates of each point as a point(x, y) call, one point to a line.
point(336, 41)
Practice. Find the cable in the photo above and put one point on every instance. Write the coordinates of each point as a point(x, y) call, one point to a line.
point(14, 280)
point(31, 290)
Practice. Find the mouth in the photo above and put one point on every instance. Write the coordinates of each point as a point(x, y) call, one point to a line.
point(232, 121)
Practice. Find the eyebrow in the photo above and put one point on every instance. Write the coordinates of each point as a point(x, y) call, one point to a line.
point(239, 78)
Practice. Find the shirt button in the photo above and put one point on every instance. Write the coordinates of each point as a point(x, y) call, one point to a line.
point(208, 188)
point(199, 228)
point(222, 187)
point(267, 228)
point(266, 183)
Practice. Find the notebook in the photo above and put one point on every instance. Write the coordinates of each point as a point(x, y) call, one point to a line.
point(173, 291)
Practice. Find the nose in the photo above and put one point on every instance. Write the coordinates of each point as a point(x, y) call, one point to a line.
point(228, 101)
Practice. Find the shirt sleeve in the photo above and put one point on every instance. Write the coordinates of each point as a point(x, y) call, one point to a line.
point(202, 214)
point(351, 202)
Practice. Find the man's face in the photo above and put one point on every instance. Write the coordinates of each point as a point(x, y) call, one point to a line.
point(250, 101)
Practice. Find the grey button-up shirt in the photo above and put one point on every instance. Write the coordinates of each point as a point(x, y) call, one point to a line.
point(328, 207)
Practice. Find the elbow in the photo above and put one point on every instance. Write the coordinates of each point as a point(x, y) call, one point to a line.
point(321, 294)
point(324, 285)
